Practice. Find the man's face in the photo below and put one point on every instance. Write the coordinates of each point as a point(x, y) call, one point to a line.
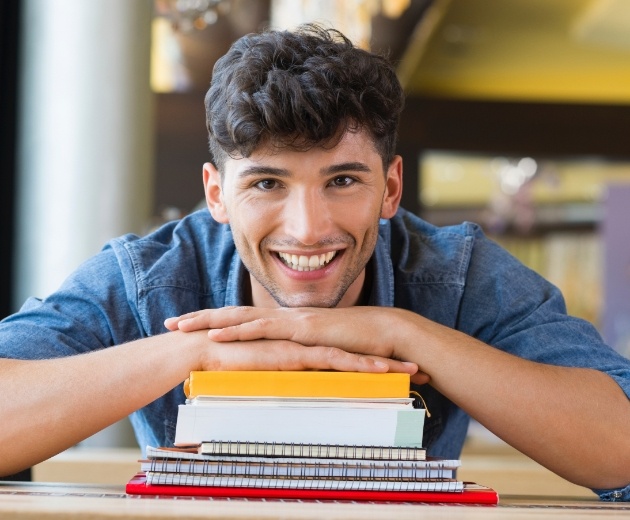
point(305, 223)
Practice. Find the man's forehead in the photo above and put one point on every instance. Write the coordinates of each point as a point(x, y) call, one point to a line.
point(353, 147)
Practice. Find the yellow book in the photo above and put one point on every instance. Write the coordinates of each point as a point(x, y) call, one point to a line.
point(297, 384)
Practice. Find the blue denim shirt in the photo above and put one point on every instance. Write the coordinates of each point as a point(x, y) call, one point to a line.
point(452, 275)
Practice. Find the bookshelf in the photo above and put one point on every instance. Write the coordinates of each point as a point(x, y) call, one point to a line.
point(547, 212)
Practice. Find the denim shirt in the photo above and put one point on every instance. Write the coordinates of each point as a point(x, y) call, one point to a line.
point(451, 275)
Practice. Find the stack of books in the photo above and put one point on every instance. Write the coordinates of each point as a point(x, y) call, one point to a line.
point(302, 435)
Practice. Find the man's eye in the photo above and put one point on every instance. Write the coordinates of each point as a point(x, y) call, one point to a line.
point(340, 182)
point(267, 184)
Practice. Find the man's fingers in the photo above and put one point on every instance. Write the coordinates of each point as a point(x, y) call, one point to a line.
point(173, 322)
point(330, 358)
point(260, 328)
point(420, 378)
point(212, 318)
point(284, 355)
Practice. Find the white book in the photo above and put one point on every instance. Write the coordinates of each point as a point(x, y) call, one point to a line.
point(305, 421)
point(312, 402)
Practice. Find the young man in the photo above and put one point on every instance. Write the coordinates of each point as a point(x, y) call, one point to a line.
point(305, 261)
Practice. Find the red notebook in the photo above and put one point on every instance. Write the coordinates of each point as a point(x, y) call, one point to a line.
point(472, 494)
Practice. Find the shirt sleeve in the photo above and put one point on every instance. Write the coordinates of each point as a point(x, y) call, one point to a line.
point(509, 306)
point(614, 495)
point(90, 311)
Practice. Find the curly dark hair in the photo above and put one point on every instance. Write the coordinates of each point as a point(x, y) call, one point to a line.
point(299, 90)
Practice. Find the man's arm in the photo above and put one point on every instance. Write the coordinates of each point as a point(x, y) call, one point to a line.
point(50, 405)
point(574, 421)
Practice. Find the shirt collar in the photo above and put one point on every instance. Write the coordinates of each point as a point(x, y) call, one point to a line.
point(236, 282)
point(382, 269)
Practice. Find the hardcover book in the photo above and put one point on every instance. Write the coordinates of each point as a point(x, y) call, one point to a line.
point(296, 384)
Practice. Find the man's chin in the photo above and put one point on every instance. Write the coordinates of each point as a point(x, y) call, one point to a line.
point(307, 300)
point(291, 294)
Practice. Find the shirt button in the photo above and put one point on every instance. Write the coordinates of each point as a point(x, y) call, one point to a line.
point(617, 494)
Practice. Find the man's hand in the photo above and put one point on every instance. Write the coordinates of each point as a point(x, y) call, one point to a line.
point(287, 355)
point(355, 338)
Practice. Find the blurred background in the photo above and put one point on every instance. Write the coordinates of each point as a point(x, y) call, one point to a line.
point(517, 117)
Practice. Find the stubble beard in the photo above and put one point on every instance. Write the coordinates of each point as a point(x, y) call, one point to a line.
point(309, 296)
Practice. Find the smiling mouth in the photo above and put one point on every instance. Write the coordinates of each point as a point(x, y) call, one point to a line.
point(307, 263)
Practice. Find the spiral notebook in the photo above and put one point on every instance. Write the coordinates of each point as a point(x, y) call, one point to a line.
point(331, 451)
point(304, 469)
point(234, 459)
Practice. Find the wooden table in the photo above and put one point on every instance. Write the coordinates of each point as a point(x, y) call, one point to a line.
point(99, 502)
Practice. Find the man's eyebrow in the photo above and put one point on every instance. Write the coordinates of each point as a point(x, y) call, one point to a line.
point(263, 170)
point(346, 167)
point(258, 170)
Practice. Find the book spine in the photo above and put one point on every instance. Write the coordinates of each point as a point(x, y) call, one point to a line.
point(297, 384)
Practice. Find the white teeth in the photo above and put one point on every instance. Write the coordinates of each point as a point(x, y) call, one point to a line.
point(307, 263)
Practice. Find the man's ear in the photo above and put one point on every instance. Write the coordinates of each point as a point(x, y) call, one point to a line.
point(393, 188)
point(214, 193)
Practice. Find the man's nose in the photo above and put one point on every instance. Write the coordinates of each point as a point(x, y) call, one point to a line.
point(308, 218)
